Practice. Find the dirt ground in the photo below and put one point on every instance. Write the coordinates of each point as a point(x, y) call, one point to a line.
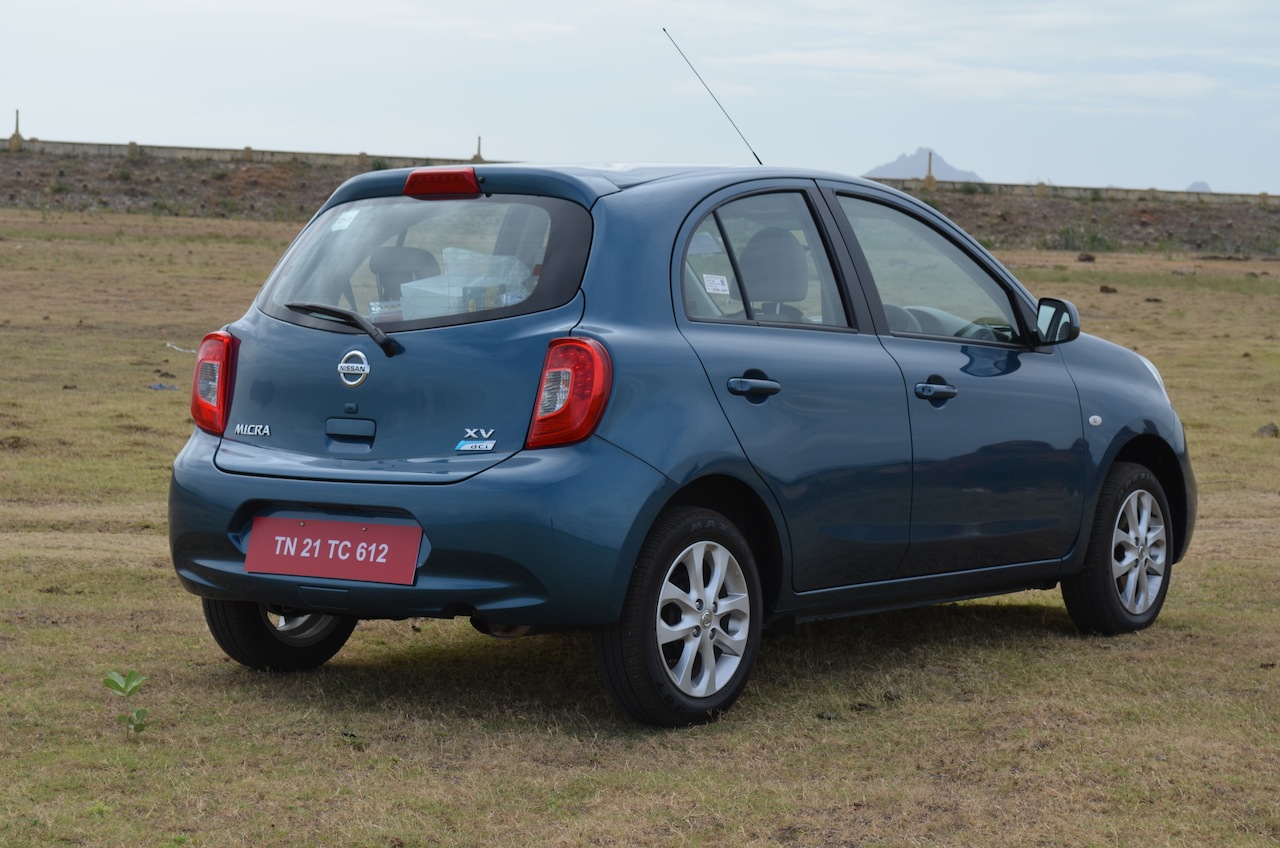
point(204, 188)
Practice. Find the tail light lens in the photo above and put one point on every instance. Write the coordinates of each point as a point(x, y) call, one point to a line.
point(576, 379)
point(211, 385)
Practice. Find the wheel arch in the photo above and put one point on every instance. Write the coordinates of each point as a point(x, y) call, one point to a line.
point(742, 505)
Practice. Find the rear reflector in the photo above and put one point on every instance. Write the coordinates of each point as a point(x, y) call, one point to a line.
point(211, 384)
point(576, 379)
point(435, 182)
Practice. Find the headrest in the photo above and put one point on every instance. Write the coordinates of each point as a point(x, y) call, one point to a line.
point(774, 267)
point(402, 264)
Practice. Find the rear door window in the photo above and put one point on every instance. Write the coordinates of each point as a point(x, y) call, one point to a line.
point(405, 263)
point(761, 259)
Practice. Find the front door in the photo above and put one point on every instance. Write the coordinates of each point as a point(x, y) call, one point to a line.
point(996, 431)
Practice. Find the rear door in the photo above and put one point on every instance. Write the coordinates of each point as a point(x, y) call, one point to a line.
point(819, 407)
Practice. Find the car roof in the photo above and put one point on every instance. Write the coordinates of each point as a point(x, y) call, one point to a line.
point(584, 184)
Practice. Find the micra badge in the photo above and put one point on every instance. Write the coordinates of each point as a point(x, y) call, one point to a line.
point(477, 439)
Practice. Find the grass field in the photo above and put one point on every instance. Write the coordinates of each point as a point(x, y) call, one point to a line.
point(987, 723)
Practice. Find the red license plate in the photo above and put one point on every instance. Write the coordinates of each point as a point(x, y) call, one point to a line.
point(343, 550)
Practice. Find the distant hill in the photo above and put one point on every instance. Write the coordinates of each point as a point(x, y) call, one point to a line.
point(916, 166)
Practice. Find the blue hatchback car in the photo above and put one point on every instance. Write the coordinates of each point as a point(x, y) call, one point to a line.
point(672, 405)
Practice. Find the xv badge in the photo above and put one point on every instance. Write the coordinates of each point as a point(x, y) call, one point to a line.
point(476, 439)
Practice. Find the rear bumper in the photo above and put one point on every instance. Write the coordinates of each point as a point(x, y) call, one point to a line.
point(546, 538)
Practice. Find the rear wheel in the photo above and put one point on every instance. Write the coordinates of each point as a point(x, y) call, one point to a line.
point(690, 627)
point(275, 639)
point(1127, 566)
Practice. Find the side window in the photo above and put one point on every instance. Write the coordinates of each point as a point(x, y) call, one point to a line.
point(927, 284)
point(761, 259)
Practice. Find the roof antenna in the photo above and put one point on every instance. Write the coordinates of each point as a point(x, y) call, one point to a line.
point(713, 96)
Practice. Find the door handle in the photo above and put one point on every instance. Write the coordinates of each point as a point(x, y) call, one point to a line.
point(753, 387)
point(935, 391)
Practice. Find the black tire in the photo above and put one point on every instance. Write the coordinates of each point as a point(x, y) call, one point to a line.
point(1129, 560)
point(697, 576)
point(275, 640)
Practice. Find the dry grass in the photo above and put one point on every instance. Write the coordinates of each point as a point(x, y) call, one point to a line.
point(981, 724)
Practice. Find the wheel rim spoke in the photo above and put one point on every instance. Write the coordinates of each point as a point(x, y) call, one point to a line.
point(706, 682)
point(731, 641)
point(683, 670)
point(719, 571)
point(679, 632)
point(734, 604)
point(672, 594)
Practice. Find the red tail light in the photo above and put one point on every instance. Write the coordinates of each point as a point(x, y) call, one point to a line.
point(576, 379)
point(211, 385)
point(431, 182)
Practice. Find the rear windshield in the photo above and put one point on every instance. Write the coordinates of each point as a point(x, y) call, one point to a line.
point(405, 263)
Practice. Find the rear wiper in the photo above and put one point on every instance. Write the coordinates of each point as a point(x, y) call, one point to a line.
point(354, 319)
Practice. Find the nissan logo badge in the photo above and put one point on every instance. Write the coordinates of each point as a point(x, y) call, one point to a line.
point(353, 368)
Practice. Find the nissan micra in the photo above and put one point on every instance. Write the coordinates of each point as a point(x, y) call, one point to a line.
point(671, 405)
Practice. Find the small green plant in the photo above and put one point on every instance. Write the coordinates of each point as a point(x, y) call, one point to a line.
point(126, 686)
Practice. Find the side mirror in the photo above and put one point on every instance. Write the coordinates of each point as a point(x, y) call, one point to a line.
point(1057, 321)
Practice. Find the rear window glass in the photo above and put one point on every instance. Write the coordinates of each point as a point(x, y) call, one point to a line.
point(405, 263)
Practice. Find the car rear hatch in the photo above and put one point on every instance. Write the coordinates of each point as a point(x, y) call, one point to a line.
point(402, 338)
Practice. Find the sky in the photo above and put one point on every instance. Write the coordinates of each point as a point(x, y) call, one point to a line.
point(1127, 93)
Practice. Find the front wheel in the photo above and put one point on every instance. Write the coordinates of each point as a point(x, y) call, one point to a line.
point(272, 639)
point(1128, 563)
point(690, 628)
